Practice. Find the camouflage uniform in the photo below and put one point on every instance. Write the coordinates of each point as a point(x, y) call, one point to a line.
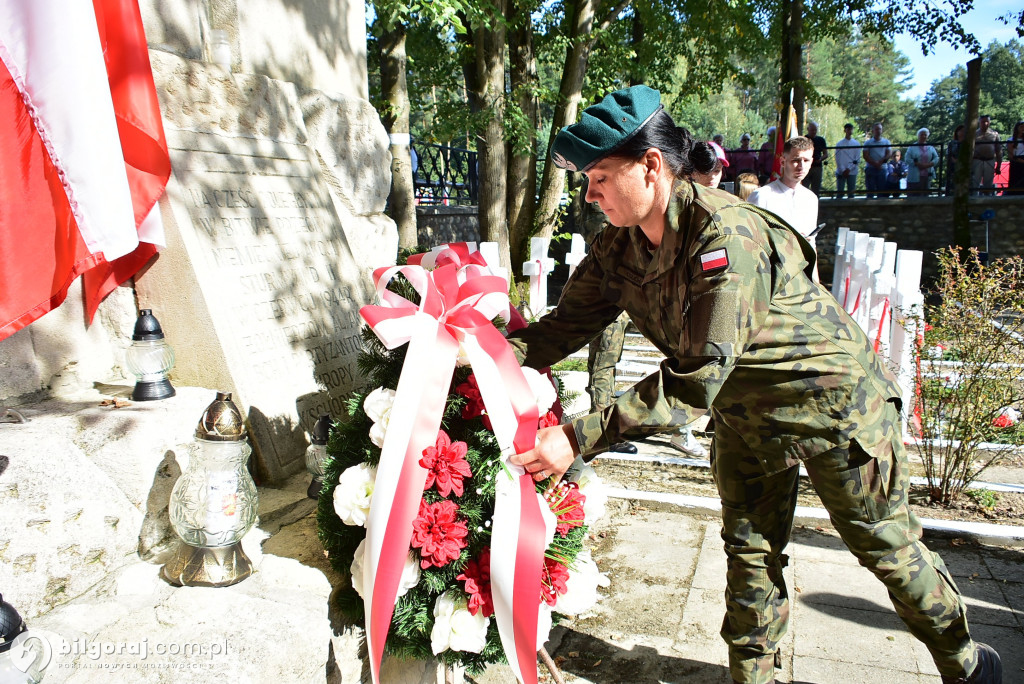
point(605, 351)
point(789, 378)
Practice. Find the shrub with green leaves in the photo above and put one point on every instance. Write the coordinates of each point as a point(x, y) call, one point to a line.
point(970, 361)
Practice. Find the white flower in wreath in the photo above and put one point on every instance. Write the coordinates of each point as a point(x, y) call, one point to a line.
point(377, 406)
point(543, 391)
point(410, 572)
point(353, 493)
point(592, 487)
point(455, 627)
point(581, 587)
point(462, 358)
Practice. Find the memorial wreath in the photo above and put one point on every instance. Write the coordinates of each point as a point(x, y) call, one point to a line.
point(432, 439)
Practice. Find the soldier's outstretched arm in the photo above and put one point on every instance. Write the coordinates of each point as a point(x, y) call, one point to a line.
point(722, 309)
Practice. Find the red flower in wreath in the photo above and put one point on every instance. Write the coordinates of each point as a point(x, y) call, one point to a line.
point(446, 465)
point(474, 401)
point(438, 533)
point(566, 502)
point(554, 581)
point(477, 577)
point(549, 419)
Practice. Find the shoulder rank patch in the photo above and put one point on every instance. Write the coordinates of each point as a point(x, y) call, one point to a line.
point(714, 260)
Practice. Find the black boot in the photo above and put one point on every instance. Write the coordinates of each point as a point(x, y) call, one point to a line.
point(988, 671)
point(623, 448)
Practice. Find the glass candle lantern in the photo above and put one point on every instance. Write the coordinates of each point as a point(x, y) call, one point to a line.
point(24, 656)
point(149, 359)
point(316, 454)
point(213, 504)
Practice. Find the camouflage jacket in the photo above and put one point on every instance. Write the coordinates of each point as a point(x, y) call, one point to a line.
point(729, 299)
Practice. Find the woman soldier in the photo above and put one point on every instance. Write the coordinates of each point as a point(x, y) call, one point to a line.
point(724, 289)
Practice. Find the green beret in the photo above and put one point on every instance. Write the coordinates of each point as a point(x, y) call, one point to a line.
point(604, 127)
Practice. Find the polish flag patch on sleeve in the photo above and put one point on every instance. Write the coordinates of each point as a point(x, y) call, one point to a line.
point(714, 260)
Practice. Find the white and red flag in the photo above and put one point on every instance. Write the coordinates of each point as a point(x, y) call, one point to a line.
point(83, 157)
point(783, 132)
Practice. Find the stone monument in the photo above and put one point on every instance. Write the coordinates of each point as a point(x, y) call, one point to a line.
point(258, 290)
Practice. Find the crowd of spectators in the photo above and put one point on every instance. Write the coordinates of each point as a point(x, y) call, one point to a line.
point(889, 170)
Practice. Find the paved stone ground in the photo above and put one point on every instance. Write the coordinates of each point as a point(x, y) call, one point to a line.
point(660, 617)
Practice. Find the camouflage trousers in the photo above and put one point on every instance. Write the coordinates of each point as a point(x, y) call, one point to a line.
point(605, 352)
point(866, 498)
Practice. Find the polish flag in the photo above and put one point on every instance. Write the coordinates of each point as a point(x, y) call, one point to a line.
point(783, 132)
point(83, 157)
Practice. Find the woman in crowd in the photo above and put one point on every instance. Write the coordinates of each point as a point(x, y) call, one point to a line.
point(1015, 157)
point(746, 183)
point(952, 155)
point(709, 154)
point(921, 162)
point(724, 290)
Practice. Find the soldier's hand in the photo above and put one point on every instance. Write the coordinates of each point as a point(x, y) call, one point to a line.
point(555, 451)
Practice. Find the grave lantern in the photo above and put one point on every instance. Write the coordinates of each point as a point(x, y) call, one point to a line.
point(213, 503)
point(316, 454)
point(24, 657)
point(149, 359)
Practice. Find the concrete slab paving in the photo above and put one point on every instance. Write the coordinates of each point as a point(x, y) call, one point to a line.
point(813, 670)
point(659, 619)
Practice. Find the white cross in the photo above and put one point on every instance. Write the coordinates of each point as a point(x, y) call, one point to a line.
point(538, 268)
point(577, 251)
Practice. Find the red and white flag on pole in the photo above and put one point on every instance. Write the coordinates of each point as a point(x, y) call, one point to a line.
point(783, 132)
point(82, 153)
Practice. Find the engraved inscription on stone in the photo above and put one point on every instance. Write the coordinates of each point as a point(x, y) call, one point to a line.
point(276, 274)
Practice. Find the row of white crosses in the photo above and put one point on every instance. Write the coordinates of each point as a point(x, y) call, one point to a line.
point(540, 266)
point(877, 284)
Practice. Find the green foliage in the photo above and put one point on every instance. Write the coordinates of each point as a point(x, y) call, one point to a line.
point(944, 107)
point(569, 364)
point(976, 316)
point(985, 498)
point(851, 77)
point(874, 76)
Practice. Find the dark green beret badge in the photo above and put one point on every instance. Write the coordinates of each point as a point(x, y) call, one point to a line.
point(604, 127)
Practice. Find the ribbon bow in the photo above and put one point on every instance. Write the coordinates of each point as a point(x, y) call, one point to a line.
point(456, 307)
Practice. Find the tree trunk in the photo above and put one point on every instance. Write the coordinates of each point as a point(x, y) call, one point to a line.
point(962, 183)
point(394, 90)
point(791, 72)
point(796, 61)
point(490, 52)
point(522, 164)
point(637, 72)
point(570, 93)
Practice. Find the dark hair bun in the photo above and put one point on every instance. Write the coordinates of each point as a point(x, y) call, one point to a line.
point(703, 157)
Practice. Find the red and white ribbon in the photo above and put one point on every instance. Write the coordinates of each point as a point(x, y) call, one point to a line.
point(457, 303)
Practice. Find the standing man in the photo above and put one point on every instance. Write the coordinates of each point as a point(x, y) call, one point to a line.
point(742, 159)
point(988, 157)
point(876, 154)
point(786, 197)
point(847, 159)
point(813, 180)
point(766, 157)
